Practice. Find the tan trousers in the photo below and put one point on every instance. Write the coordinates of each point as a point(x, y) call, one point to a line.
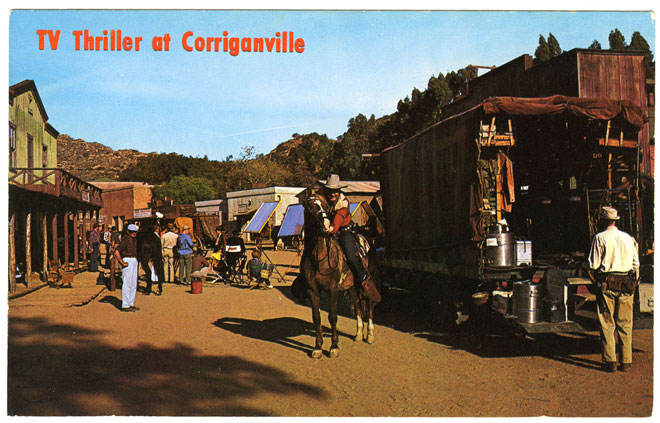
point(619, 320)
point(168, 264)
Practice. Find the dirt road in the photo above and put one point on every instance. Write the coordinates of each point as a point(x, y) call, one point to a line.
point(237, 352)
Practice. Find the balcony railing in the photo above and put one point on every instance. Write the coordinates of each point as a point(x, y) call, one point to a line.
point(57, 182)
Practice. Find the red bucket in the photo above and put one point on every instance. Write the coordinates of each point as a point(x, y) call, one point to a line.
point(196, 287)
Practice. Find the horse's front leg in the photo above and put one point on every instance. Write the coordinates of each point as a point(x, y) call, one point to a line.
point(147, 273)
point(317, 352)
point(370, 327)
point(332, 317)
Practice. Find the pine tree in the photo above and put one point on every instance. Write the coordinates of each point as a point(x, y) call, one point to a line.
point(638, 43)
point(553, 46)
point(617, 40)
point(542, 52)
point(595, 45)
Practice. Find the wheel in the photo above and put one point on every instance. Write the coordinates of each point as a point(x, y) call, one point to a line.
point(444, 312)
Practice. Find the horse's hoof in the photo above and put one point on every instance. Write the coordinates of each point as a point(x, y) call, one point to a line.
point(334, 353)
point(356, 337)
point(317, 354)
point(370, 339)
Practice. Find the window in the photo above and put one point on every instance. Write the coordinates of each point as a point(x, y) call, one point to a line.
point(44, 156)
point(30, 152)
point(12, 145)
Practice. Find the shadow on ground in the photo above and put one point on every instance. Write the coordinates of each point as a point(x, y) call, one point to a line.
point(112, 300)
point(280, 330)
point(59, 370)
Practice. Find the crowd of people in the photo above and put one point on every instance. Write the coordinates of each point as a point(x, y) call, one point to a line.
point(179, 252)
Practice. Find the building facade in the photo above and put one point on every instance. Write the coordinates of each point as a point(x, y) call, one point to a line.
point(123, 202)
point(50, 210)
point(241, 205)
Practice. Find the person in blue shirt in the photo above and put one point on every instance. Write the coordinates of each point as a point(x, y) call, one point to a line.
point(185, 246)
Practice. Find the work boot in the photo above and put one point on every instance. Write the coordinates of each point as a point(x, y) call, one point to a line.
point(609, 366)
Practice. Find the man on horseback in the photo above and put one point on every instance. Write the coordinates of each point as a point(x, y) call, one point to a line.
point(340, 222)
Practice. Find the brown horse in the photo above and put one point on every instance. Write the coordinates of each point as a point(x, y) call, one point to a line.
point(324, 268)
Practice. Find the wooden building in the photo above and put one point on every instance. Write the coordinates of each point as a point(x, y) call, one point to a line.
point(123, 202)
point(575, 73)
point(241, 205)
point(49, 208)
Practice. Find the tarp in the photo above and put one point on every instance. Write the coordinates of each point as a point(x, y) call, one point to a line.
point(180, 222)
point(293, 222)
point(594, 108)
point(261, 217)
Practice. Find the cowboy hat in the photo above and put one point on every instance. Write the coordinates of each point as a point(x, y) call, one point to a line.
point(609, 213)
point(333, 182)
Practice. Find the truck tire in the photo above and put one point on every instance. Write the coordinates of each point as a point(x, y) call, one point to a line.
point(443, 308)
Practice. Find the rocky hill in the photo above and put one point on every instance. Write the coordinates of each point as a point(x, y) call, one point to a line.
point(93, 161)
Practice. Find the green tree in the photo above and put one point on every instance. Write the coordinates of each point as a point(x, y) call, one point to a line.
point(595, 45)
point(186, 190)
point(617, 40)
point(638, 43)
point(542, 52)
point(553, 46)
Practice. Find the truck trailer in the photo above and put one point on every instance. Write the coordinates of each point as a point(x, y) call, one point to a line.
point(498, 204)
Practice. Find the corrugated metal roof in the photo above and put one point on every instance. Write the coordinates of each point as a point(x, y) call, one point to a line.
point(262, 191)
point(357, 186)
point(119, 185)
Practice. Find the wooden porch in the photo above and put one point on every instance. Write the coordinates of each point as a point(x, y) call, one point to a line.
point(50, 212)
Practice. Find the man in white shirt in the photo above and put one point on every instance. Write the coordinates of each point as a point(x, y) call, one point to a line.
point(614, 260)
point(169, 242)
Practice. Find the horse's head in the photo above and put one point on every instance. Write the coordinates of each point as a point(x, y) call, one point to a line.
point(317, 206)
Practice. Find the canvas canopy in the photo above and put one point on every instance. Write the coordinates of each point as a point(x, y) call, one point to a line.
point(593, 108)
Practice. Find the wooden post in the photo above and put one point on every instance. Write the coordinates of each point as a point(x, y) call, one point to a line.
point(76, 247)
point(491, 131)
point(12, 251)
point(84, 237)
point(54, 237)
point(44, 231)
point(607, 133)
point(28, 248)
point(66, 240)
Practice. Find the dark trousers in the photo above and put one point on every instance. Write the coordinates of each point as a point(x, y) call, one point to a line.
point(348, 244)
point(94, 263)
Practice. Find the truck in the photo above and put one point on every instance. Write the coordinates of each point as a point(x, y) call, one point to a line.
point(497, 204)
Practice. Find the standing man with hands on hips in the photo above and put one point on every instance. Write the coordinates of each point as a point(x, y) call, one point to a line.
point(126, 255)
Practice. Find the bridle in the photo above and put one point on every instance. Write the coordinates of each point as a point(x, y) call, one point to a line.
point(316, 208)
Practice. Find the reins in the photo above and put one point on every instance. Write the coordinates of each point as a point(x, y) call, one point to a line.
point(328, 242)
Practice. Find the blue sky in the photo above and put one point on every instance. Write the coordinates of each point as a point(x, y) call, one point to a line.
point(208, 103)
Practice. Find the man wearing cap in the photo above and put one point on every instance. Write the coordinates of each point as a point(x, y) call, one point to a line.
point(126, 255)
point(169, 239)
point(614, 261)
point(185, 245)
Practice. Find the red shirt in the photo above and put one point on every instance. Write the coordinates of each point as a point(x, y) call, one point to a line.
point(341, 218)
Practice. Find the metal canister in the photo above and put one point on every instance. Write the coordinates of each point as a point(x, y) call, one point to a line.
point(527, 301)
point(500, 249)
